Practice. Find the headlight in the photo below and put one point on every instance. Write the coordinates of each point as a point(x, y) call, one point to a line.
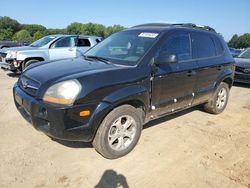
point(12, 54)
point(63, 92)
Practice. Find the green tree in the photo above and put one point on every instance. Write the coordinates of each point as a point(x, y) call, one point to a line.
point(22, 35)
point(55, 31)
point(8, 23)
point(37, 35)
point(75, 28)
point(242, 41)
point(233, 41)
point(113, 29)
point(33, 28)
point(5, 34)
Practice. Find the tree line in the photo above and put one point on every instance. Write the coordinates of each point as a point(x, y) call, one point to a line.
point(242, 41)
point(11, 29)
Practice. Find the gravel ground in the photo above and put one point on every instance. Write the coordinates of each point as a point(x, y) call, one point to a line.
point(187, 149)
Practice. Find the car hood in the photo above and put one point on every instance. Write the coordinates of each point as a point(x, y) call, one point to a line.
point(242, 62)
point(18, 49)
point(66, 69)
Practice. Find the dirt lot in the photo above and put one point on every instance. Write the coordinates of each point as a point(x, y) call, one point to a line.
point(188, 149)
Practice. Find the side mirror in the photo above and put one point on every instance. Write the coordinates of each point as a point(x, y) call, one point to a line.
point(166, 59)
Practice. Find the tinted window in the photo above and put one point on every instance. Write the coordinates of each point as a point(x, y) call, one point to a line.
point(64, 42)
point(126, 47)
point(179, 45)
point(83, 42)
point(203, 45)
point(218, 46)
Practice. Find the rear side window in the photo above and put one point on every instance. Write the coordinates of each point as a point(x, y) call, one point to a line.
point(218, 46)
point(83, 42)
point(203, 45)
point(178, 44)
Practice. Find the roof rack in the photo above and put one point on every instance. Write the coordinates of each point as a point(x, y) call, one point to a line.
point(190, 25)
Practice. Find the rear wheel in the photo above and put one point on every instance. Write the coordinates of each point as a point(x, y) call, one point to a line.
point(219, 100)
point(119, 132)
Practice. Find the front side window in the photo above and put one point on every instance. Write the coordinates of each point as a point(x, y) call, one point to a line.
point(64, 42)
point(203, 45)
point(179, 45)
point(126, 47)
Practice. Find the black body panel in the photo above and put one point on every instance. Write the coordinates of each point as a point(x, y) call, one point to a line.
point(157, 89)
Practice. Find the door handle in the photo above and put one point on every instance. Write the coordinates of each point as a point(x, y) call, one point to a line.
point(191, 73)
point(70, 49)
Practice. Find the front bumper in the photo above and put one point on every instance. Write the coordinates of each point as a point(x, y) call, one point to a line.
point(242, 77)
point(9, 65)
point(60, 122)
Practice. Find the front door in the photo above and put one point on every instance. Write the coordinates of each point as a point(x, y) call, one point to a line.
point(173, 85)
point(63, 48)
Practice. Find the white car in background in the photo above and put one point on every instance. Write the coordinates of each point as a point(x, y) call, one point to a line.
point(52, 47)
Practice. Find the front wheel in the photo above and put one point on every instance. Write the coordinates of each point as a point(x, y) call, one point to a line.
point(219, 100)
point(29, 62)
point(119, 132)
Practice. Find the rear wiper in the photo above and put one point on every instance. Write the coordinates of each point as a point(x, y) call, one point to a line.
point(98, 58)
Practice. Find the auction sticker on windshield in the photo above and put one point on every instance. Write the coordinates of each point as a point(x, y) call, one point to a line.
point(148, 35)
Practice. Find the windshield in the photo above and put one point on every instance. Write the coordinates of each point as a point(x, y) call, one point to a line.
point(245, 54)
point(43, 41)
point(125, 47)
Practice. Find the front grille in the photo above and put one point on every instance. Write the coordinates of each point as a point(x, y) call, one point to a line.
point(242, 77)
point(29, 85)
point(242, 70)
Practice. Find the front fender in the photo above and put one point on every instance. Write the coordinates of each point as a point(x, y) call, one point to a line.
point(32, 54)
point(121, 96)
point(130, 93)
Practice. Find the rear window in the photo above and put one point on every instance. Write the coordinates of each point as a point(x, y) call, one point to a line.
point(203, 46)
point(83, 42)
point(218, 46)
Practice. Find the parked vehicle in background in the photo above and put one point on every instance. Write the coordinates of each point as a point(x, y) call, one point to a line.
point(128, 79)
point(235, 52)
point(8, 44)
point(242, 69)
point(45, 49)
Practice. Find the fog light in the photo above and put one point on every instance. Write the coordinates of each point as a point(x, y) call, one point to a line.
point(84, 113)
point(15, 64)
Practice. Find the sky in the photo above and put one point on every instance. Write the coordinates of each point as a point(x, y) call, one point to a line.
point(225, 16)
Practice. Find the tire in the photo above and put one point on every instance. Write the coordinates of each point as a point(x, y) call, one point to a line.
point(2, 47)
point(119, 132)
point(218, 102)
point(26, 64)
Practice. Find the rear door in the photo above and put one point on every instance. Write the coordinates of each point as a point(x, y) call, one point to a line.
point(63, 48)
point(173, 85)
point(209, 65)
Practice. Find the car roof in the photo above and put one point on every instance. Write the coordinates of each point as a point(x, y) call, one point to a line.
point(165, 26)
point(67, 35)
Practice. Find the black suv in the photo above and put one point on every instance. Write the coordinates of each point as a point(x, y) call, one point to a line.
point(130, 78)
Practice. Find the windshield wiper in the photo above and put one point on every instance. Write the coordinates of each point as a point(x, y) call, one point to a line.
point(98, 58)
